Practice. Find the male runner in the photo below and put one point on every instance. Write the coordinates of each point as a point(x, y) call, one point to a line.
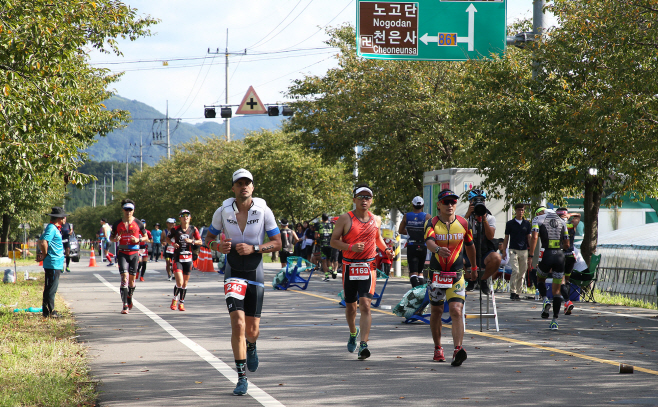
point(569, 260)
point(157, 235)
point(552, 231)
point(244, 220)
point(169, 250)
point(182, 238)
point(445, 236)
point(66, 231)
point(323, 236)
point(144, 252)
point(413, 224)
point(129, 233)
point(288, 240)
point(359, 231)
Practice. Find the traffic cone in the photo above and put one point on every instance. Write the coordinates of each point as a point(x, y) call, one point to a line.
point(41, 263)
point(92, 260)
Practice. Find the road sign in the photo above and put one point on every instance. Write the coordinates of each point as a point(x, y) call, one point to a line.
point(447, 30)
point(251, 104)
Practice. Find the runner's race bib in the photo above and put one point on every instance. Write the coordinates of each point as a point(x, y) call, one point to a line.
point(235, 288)
point(441, 281)
point(170, 249)
point(143, 253)
point(359, 271)
point(541, 253)
point(185, 258)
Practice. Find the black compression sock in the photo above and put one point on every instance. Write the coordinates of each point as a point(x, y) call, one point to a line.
point(557, 303)
point(421, 280)
point(542, 288)
point(176, 290)
point(124, 295)
point(68, 261)
point(182, 292)
point(240, 367)
point(251, 346)
point(143, 268)
point(564, 290)
point(414, 281)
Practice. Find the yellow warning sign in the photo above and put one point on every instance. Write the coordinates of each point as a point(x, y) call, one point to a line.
point(251, 104)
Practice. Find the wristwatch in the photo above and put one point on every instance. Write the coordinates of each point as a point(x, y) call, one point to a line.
point(257, 248)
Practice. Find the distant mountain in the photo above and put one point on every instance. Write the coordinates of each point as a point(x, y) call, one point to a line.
point(125, 142)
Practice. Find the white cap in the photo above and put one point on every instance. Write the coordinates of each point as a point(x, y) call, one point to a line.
point(242, 173)
point(171, 220)
point(417, 201)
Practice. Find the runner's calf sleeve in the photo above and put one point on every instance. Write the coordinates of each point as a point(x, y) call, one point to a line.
point(176, 290)
point(240, 367)
point(421, 280)
point(182, 293)
point(68, 261)
point(131, 291)
point(557, 303)
point(414, 281)
point(542, 289)
point(124, 295)
point(564, 290)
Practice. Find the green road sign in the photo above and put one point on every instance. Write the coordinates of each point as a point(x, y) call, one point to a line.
point(445, 30)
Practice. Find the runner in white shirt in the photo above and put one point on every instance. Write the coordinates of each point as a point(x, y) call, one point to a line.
point(244, 221)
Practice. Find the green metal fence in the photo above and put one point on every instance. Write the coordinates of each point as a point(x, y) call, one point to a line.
point(629, 270)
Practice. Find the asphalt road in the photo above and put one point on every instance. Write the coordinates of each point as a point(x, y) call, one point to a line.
point(155, 356)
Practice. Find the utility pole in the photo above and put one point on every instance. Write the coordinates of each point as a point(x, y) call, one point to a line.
point(95, 188)
point(104, 193)
point(126, 171)
point(168, 143)
point(227, 121)
point(141, 145)
point(111, 174)
point(157, 135)
point(538, 27)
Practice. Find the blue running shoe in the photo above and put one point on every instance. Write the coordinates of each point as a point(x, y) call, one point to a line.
point(351, 343)
point(241, 388)
point(545, 308)
point(252, 359)
point(553, 326)
point(364, 352)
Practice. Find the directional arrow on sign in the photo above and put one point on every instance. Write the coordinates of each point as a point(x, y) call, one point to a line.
point(470, 40)
point(471, 28)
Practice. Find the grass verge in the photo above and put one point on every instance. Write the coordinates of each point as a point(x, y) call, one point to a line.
point(618, 299)
point(41, 362)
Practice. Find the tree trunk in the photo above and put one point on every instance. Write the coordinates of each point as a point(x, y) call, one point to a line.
point(4, 235)
point(593, 192)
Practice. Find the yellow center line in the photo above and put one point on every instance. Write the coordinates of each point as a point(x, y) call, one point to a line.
point(516, 341)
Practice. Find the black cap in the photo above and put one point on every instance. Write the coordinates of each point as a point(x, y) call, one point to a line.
point(58, 212)
point(157, 224)
point(183, 211)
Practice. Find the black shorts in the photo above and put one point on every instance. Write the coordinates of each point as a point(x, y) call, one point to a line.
point(284, 256)
point(185, 267)
point(251, 304)
point(335, 254)
point(326, 252)
point(353, 289)
point(552, 262)
point(128, 263)
point(169, 256)
point(416, 255)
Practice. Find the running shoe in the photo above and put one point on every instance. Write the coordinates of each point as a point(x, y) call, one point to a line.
point(545, 308)
point(110, 265)
point(351, 343)
point(553, 326)
point(173, 305)
point(568, 307)
point(68, 270)
point(458, 357)
point(252, 359)
point(334, 275)
point(484, 287)
point(125, 309)
point(438, 354)
point(325, 279)
point(364, 352)
point(141, 279)
point(241, 388)
point(181, 307)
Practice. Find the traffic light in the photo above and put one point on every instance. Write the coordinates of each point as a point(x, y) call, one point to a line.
point(287, 111)
point(273, 110)
point(209, 113)
point(226, 113)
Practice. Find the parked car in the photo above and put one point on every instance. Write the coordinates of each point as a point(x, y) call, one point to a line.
point(74, 247)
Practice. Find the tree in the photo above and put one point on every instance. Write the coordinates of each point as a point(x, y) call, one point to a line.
point(591, 106)
point(395, 111)
point(51, 98)
point(294, 182)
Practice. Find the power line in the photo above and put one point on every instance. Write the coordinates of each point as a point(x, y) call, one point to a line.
point(284, 28)
point(323, 27)
point(277, 26)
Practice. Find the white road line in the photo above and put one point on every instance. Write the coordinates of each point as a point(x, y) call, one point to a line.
point(255, 392)
point(617, 314)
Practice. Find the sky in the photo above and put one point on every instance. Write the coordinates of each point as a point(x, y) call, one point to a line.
point(283, 39)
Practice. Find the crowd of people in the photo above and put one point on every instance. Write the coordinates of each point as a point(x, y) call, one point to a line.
point(446, 252)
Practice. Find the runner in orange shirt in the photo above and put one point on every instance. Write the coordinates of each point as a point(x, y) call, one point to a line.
point(356, 233)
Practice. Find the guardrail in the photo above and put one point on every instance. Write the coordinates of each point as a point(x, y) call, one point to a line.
point(629, 270)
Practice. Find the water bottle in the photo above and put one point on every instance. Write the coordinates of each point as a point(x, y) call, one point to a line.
point(537, 295)
point(26, 275)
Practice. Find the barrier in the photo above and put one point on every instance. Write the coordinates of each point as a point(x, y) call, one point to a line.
point(629, 270)
point(292, 273)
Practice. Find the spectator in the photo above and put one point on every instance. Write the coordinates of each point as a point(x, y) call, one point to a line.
point(157, 242)
point(517, 240)
point(52, 255)
point(299, 231)
point(288, 240)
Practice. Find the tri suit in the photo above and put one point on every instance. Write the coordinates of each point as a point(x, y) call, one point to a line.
point(552, 231)
point(416, 249)
point(144, 248)
point(128, 251)
point(359, 274)
point(454, 236)
point(182, 257)
point(243, 275)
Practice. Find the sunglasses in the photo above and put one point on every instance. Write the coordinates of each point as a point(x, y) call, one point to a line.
point(128, 209)
point(449, 202)
point(185, 215)
point(363, 197)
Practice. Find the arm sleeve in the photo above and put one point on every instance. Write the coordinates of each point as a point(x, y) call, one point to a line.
point(216, 225)
point(270, 223)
